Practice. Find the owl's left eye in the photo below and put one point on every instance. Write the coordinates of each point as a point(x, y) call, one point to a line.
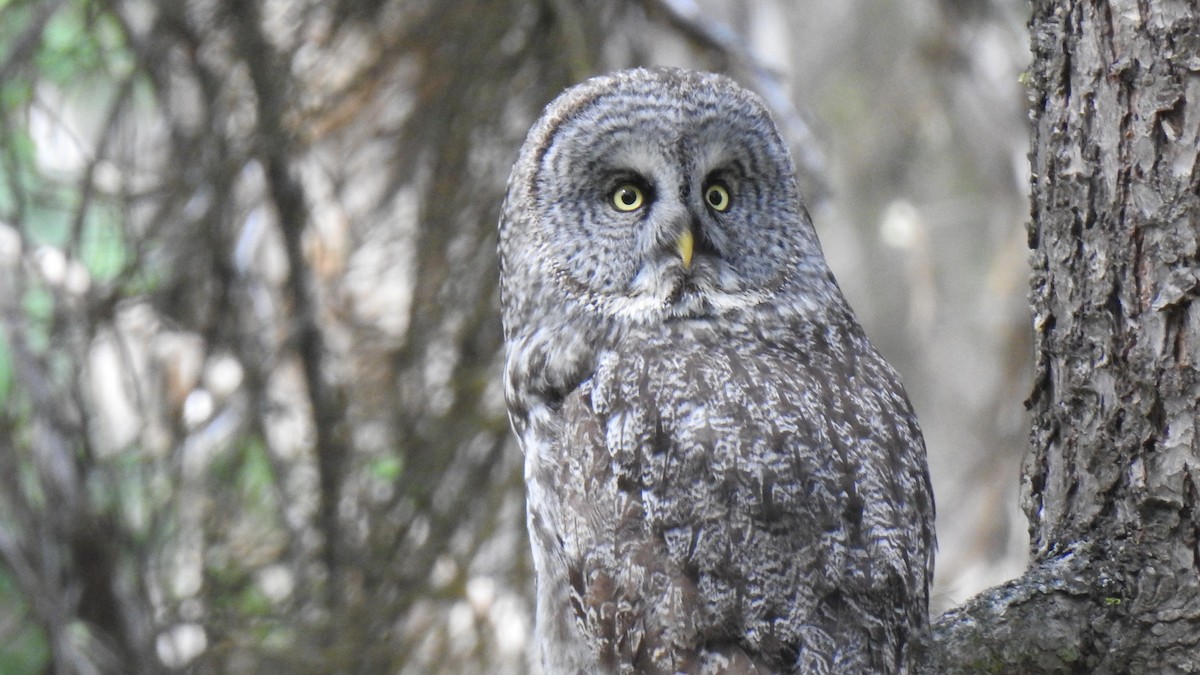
point(717, 197)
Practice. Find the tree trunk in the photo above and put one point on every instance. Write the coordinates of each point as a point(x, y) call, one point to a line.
point(1110, 484)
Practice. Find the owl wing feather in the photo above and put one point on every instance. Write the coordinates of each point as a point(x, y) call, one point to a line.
point(744, 502)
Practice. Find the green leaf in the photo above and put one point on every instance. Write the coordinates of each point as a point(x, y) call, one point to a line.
point(256, 475)
point(23, 648)
point(253, 602)
point(386, 469)
point(103, 248)
point(39, 310)
point(16, 92)
point(5, 369)
point(68, 48)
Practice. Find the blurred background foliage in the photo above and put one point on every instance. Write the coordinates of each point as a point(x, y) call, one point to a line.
point(250, 402)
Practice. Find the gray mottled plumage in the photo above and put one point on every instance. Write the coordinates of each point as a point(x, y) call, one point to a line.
point(723, 474)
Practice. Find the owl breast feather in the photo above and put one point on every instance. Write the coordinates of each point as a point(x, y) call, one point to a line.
point(717, 486)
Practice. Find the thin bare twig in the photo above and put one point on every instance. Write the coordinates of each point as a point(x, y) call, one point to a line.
point(688, 17)
point(268, 77)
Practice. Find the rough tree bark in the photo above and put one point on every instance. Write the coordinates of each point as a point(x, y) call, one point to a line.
point(1110, 484)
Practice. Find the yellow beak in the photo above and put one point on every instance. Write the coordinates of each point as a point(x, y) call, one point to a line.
point(685, 244)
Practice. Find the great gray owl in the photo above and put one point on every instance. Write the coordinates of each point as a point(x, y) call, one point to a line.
point(722, 473)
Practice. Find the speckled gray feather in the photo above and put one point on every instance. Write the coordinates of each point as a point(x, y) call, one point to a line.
point(722, 473)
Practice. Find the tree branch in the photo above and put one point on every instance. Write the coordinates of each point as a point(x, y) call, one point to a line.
point(688, 17)
point(1044, 622)
point(268, 78)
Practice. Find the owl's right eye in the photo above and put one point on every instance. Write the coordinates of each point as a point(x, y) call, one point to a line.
point(628, 197)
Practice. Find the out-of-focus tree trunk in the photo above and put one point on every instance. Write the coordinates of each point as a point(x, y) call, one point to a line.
point(1110, 484)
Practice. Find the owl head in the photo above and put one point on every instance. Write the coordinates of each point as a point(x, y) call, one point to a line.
point(647, 196)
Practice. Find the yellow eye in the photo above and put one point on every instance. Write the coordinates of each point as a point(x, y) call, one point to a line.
point(628, 197)
point(717, 197)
